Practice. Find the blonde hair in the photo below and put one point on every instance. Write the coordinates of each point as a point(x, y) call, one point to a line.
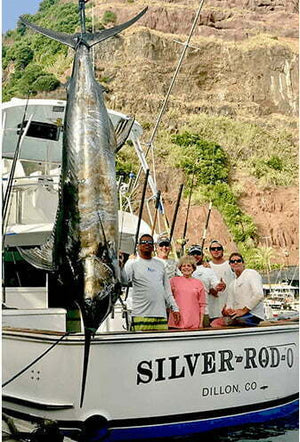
point(189, 259)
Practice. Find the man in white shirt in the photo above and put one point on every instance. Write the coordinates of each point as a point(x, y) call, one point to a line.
point(224, 272)
point(244, 306)
point(151, 291)
point(206, 275)
point(163, 249)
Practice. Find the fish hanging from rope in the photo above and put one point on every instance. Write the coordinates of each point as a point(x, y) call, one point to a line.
point(83, 248)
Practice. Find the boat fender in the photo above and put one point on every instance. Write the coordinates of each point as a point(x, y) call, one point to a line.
point(95, 428)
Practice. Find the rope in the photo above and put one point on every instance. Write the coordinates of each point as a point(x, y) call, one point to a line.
point(34, 361)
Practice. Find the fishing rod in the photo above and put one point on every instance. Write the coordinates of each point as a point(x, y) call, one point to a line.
point(184, 241)
point(206, 225)
point(176, 211)
point(157, 203)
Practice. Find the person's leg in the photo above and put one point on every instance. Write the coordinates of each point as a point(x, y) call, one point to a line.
point(141, 323)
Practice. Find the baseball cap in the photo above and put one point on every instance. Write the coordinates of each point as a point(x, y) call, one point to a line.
point(195, 249)
point(163, 239)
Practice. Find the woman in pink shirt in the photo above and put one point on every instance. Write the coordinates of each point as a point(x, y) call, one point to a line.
point(189, 294)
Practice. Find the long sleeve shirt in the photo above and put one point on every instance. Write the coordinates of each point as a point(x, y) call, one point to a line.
point(209, 279)
point(151, 290)
point(247, 291)
point(216, 303)
point(189, 294)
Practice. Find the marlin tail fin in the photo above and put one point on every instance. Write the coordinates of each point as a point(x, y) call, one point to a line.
point(87, 38)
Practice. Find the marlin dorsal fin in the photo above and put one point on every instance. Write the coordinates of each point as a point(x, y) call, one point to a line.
point(122, 131)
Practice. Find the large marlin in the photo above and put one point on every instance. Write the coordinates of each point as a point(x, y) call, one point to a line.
point(83, 248)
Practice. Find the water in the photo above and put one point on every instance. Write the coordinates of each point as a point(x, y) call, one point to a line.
point(281, 430)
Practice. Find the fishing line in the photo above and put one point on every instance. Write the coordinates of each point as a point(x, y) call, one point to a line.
point(35, 360)
point(185, 47)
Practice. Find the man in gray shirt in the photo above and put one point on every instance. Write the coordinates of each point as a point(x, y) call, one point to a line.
point(151, 291)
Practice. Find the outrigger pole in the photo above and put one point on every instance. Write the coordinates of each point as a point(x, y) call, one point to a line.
point(157, 203)
point(141, 210)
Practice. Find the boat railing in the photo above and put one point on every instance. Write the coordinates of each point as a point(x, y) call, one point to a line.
point(33, 200)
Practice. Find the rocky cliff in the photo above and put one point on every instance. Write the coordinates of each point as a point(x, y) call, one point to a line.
point(242, 64)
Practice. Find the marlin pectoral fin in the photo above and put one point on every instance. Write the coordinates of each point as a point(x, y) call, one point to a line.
point(62, 37)
point(40, 257)
point(122, 131)
point(93, 39)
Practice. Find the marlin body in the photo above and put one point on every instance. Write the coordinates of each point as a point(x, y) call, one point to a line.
point(86, 232)
point(83, 248)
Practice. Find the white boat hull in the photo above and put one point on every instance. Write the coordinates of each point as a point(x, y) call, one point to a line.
point(147, 385)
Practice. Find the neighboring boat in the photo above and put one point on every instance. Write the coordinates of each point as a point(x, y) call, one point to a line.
point(281, 300)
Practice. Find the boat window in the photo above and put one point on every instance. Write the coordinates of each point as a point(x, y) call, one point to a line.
point(58, 109)
point(45, 131)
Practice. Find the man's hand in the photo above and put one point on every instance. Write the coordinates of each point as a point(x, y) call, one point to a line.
point(228, 311)
point(176, 316)
point(220, 286)
point(206, 264)
point(240, 312)
point(213, 292)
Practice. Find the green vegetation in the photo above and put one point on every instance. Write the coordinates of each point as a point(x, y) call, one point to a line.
point(210, 164)
point(248, 144)
point(109, 17)
point(30, 54)
point(126, 160)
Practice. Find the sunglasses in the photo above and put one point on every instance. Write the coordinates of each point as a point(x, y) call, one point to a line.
point(164, 244)
point(235, 261)
point(146, 241)
point(216, 248)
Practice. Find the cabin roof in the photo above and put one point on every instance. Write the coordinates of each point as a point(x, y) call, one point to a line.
point(43, 142)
